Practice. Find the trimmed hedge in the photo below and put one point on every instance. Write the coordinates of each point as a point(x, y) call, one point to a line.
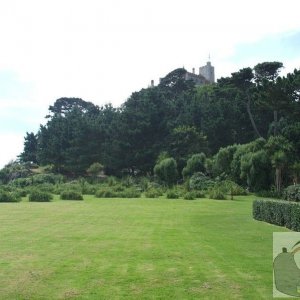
point(281, 213)
point(71, 195)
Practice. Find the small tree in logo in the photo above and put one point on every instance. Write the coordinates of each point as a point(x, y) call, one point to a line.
point(287, 273)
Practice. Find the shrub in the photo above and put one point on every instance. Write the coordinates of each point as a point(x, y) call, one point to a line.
point(232, 188)
point(199, 194)
point(144, 183)
point(127, 181)
point(199, 181)
point(47, 178)
point(269, 194)
point(217, 193)
point(73, 186)
point(111, 180)
point(21, 192)
point(276, 212)
point(9, 197)
point(189, 196)
point(106, 193)
point(39, 196)
point(118, 188)
point(153, 193)
point(292, 193)
point(21, 182)
point(88, 189)
point(46, 187)
point(95, 169)
point(130, 193)
point(71, 195)
point(172, 194)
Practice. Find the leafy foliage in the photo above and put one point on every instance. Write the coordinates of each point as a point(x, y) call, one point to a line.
point(200, 181)
point(6, 196)
point(172, 194)
point(71, 195)
point(39, 196)
point(195, 164)
point(217, 193)
point(166, 171)
point(292, 193)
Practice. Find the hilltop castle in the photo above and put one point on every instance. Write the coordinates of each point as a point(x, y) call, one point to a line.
point(206, 75)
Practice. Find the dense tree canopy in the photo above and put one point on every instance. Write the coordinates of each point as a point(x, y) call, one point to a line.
point(180, 120)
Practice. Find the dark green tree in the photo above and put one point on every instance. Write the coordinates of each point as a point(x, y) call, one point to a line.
point(166, 171)
point(30, 148)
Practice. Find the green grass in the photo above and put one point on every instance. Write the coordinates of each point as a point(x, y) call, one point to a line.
point(134, 249)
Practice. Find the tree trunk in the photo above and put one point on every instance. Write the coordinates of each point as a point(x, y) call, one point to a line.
point(275, 113)
point(278, 179)
point(251, 117)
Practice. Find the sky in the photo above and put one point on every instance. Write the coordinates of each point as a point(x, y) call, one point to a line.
point(103, 50)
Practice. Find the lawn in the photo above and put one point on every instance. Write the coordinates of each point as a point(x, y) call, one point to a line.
point(134, 249)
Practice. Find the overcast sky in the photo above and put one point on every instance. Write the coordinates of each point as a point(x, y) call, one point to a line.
point(103, 50)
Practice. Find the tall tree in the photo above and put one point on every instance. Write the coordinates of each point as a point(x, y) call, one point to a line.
point(29, 153)
point(270, 87)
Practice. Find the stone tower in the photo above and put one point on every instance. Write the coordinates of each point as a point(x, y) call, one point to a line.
point(208, 72)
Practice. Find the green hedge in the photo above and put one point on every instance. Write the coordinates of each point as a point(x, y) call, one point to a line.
point(276, 212)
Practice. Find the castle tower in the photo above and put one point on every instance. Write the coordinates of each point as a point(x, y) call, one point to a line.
point(208, 71)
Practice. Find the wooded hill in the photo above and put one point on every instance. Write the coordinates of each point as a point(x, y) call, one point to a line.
point(176, 119)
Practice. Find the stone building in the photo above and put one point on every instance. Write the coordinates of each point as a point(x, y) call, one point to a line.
point(206, 75)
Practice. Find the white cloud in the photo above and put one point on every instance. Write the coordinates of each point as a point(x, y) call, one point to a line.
point(104, 50)
point(11, 147)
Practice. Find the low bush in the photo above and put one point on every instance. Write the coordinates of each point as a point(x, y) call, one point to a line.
point(45, 187)
point(21, 192)
point(237, 190)
point(22, 182)
point(269, 194)
point(47, 178)
point(118, 188)
point(189, 196)
point(70, 186)
point(144, 183)
point(292, 193)
point(71, 195)
point(9, 196)
point(153, 193)
point(172, 194)
point(39, 196)
point(106, 193)
point(276, 212)
point(217, 194)
point(88, 189)
point(111, 180)
point(200, 181)
point(129, 193)
point(199, 194)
